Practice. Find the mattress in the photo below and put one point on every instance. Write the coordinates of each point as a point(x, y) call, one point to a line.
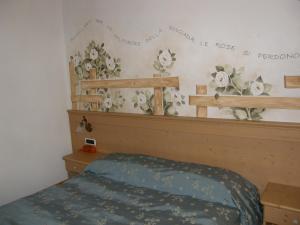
point(141, 190)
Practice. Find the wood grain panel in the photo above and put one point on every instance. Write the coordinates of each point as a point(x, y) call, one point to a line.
point(261, 151)
point(246, 102)
point(201, 110)
point(281, 216)
point(93, 75)
point(282, 196)
point(158, 99)
point(73, 83)
point(87, 98)
point(292, 81)
point(157, 82)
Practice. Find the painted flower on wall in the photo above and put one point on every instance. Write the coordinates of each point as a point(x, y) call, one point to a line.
point(77, 59)
point(165, 58)
point(240, 114)
point(93, 54)
point(144, 101)
point(164, 61)
point(172, 100)
point(110, 63)
point(222, 79)
point(88, 66)
point(79, 66)
point(97, 57)
point(256, 88)
point(86, 106)
point(226, 80)
point(112, 101)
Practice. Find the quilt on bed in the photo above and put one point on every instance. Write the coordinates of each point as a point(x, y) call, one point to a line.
point(141, 190)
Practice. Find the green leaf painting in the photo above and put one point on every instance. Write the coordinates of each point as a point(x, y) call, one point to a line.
point(144, 101)
point(164, 61)
point(95, 56)
point(107, 67)
point(226, 80)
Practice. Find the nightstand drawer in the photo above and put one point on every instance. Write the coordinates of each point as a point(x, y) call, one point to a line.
point(281, 216)
point(77, 161)
point(74, 167)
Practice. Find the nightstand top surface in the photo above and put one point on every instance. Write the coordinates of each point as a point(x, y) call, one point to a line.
point(282, 196)
point(83, 157)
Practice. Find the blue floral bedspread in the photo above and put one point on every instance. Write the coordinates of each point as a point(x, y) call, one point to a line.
point(141, 190)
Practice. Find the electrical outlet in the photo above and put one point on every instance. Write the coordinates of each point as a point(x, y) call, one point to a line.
point(90, 141)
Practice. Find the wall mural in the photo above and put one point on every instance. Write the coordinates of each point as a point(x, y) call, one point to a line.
point(227, 80)
point(172, 98)
point(190, 37)
point(95, 56)
point(144, 101)
point(224, 80)
point(107, 67)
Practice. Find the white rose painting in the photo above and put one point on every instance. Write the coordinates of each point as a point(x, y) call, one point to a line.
point(164, 61)
point(165, 58)
point(77, 59)
point(240, 114)
point(144, 101)
point(226, 80)
point(222, 79)
point(141, 99)
point(107, 104)
point(110, 63)
point(97, 57)
point(88, 66)
point(256, 88)
point(93, 54)
point(112, 101)
point(172, 98)
point(106, 67)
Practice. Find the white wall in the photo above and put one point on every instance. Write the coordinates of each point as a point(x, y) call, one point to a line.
point(260, 27)
point(34, 132)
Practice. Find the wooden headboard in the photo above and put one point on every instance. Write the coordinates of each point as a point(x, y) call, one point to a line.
point(260, 151)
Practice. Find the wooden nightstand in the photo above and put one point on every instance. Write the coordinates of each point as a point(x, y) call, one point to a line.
point(76, 162)
point(281, 204)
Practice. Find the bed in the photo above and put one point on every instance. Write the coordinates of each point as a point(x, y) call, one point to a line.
point(137, 189)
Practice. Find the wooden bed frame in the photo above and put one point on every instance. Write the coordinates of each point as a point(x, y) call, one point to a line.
point(260, 151)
